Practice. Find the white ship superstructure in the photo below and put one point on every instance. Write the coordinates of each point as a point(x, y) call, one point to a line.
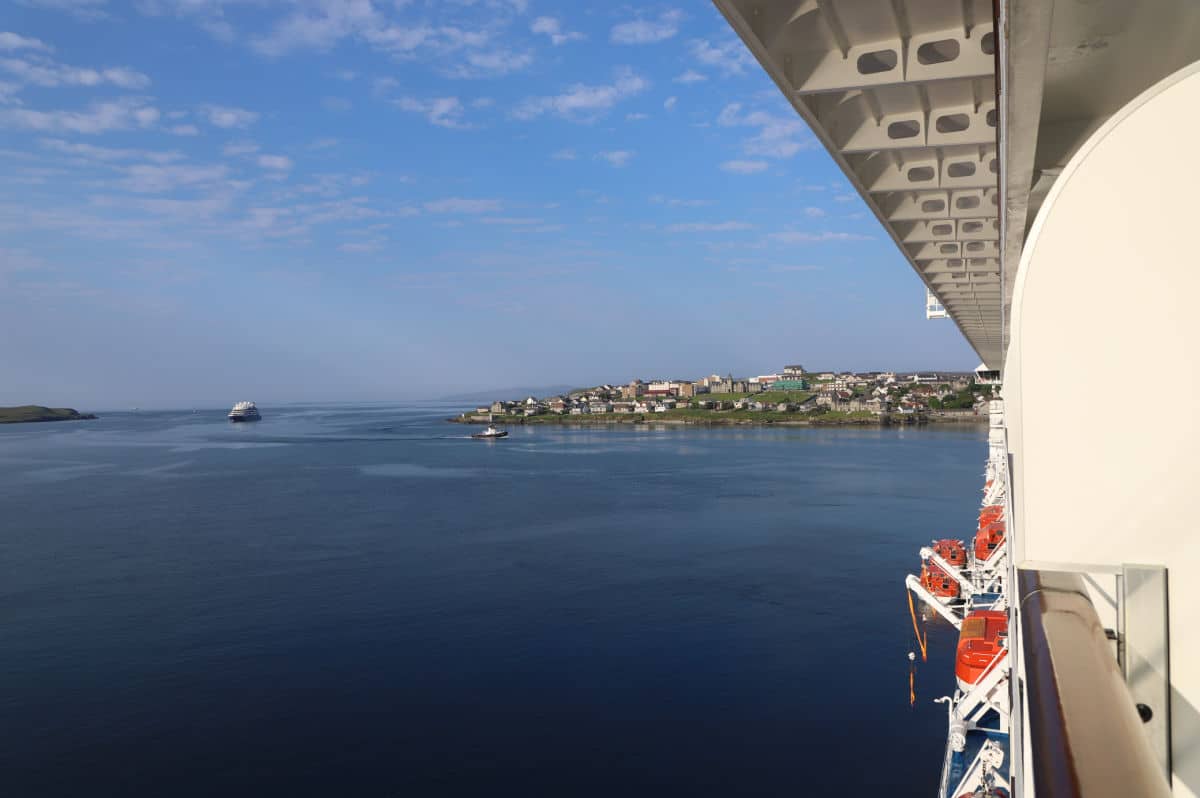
point(1032, 161)
point(244, 411)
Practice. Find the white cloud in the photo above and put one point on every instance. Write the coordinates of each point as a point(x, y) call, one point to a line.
point(185, 130)
point(14, 41)
point(336, 104)
point(659, 199)
point(363, 247)
point(280, 163)
point(461, 205)
point(707, 227)
point(729, 56)
point(86, 10)
point(98, 118)
point(512, 221)
point(777, 137)
point(154, 179)
point(93, 153)
point(553, 28)
point(235, 148)
point(322, 25)
point(616, 158)
point(813, 212)
point(635, 117)
point(228, 117)
point(744, 167)
point(490, 64)
point(564, 155)
point(792, 237)
point(582, 102)
point(691, 76)
point(440, 111)
point(384, 85)
point(145, 117)
point(647, 31)
point(669, 103)
point(48, 74)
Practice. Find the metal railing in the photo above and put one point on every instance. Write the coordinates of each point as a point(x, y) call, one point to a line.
point(1086, 736)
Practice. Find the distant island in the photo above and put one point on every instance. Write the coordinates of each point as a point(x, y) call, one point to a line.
point(793, 396)
point(28, 413)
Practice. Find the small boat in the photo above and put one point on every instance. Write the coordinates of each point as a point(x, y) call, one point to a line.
point(939, 583)
point(952, 551)
point(244, 411)
point(990, 535)
point(491, 432)
point(982, 642)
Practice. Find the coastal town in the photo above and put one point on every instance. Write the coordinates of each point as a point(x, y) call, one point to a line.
point(793, 395)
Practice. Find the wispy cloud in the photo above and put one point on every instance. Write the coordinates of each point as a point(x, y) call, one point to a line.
point(47, 74)
point(280, 163)
point(616, 158)
point(564, 155)
point(777, 137)
point(155, 179)
point(228, 117)
point(461, 205)
point(690, 76)
point(647, 31)
point(184, 130)
point(744, 167)
point(814, 212)
point(669, 103)
point(707, 227)
point(583, 102)
point(235, 148)
point(512, 221)
point(99, 117)
point(454, 50)
point(441, 111)
point(551, 27)
point(728, 56)
point(490, 63)
point(675, 202)
point(92, 152)
point(85, 10)
point(793, 237)
point(14, 41)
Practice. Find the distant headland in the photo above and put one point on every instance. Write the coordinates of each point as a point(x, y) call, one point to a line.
point(793, 396)
point(29, 413)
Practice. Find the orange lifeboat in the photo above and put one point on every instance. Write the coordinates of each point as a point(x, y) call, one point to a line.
point(938, 582)
point(952, 551)
point(981, 644)
point(988, 539)
point(993, 512)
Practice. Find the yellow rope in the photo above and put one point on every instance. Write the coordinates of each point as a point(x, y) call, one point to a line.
point(921, 641)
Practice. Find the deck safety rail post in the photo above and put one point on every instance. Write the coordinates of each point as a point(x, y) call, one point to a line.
point(1084, 726)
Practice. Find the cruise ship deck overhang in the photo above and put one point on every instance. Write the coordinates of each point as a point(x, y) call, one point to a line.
point(953, 118)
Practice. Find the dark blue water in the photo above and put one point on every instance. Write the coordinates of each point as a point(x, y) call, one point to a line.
point(360, 601)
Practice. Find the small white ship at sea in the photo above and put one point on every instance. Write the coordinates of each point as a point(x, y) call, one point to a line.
point(491, 432)
point(244, 411)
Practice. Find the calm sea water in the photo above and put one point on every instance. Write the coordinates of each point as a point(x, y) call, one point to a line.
point(361, 601)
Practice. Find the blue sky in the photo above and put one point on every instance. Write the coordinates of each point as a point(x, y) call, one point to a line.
point(205, 200)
